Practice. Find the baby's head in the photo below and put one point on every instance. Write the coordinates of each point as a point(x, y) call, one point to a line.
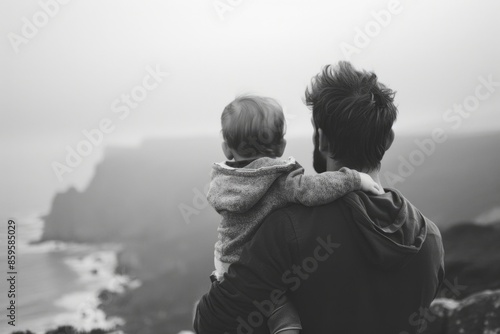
point(253, 127)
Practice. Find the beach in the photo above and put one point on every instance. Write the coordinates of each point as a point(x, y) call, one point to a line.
point(59, 283)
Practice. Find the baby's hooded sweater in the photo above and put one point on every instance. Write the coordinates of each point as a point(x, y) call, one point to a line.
point(245, 196)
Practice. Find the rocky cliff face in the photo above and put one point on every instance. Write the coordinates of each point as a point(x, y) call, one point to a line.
point(476, 314)
point(155, 191)
point(472, 259)
point(151, 201)
point(466, 304)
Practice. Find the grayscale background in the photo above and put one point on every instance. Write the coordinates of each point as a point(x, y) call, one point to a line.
point(110, 121)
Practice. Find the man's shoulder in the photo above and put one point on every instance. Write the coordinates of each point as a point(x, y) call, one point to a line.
point(294, 214)
point(295, 209)
point(282, 221)
point(291, 211)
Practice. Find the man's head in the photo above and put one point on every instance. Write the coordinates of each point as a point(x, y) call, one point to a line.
point(252, 127)
point(353, 115)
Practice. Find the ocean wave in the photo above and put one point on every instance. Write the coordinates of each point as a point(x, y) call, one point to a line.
point(97, 269)
point(52, 246)
point(83, 313)
point(97, 272)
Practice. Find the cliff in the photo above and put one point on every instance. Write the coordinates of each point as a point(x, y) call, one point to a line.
point(472, 259)
point(138, 193)
point(144, 192)
point(150, 200)
point(476, 314)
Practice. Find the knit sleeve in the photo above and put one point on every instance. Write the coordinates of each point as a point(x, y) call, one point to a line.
point(311, 190)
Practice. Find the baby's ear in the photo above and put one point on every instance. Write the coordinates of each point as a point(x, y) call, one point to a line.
point(281, 148)
point(227, 151)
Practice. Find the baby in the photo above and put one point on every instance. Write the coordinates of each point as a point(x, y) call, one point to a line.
point(255, 181)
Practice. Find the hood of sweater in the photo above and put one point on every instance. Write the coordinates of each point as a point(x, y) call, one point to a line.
point(394, 230)
point(239, 189)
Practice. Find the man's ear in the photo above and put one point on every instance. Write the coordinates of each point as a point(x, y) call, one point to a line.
point(324, 145)
point(390, 140)
point(281, 148)
point(227, 151)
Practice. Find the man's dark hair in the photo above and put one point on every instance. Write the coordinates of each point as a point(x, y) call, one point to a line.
point(355, 113)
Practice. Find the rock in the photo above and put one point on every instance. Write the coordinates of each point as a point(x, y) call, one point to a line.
point(139, 194)
point(150, 200)
point(472, 259)
point(476, 314)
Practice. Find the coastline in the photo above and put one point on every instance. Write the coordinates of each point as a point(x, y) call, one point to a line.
point(97, 272)
point(85, 270)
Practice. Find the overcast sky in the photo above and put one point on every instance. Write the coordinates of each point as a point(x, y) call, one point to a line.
point(65, 77)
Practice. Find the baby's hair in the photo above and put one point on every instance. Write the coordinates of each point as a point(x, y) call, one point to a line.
point(253, 125)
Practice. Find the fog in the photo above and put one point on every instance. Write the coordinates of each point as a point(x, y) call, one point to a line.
point(65, 71)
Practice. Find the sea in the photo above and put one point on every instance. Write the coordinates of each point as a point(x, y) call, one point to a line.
point(58, 283)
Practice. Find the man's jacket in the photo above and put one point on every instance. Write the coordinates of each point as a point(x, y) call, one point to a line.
point(362, 264)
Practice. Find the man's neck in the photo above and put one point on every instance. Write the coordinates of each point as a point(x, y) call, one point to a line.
point(332, 166)
point(375, 176)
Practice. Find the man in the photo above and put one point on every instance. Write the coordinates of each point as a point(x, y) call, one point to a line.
point(362, 264)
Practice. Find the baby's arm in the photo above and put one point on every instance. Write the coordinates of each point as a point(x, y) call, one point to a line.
point(326, 187)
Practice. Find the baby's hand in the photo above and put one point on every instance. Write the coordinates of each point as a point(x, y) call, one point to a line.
point(368, 185)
